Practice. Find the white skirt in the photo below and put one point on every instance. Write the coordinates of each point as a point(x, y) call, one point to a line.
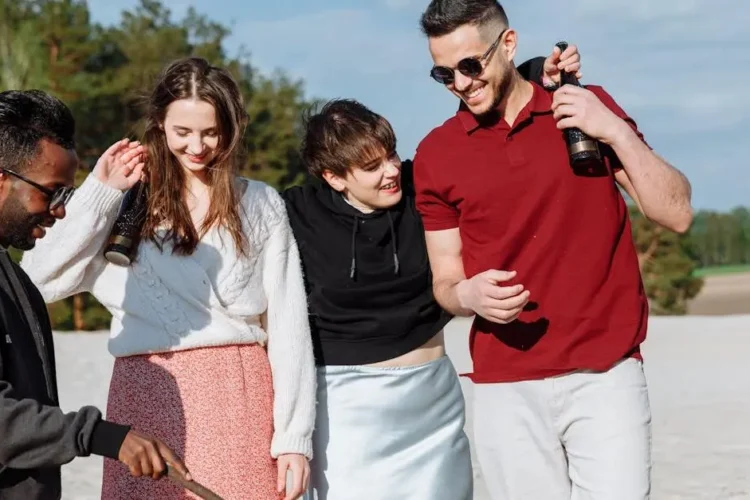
point(390, 433)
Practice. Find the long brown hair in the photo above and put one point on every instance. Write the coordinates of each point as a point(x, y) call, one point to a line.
point(193, 78)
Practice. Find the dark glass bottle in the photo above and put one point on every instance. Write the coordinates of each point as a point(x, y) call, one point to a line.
point(126, 232)
point(581, 147)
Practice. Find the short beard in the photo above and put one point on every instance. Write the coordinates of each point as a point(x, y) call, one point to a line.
point(16, 225)
point(501, 92)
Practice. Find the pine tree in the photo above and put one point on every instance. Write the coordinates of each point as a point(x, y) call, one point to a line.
point(666, 266)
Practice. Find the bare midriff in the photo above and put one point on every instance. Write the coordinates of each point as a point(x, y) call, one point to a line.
point(429, 351)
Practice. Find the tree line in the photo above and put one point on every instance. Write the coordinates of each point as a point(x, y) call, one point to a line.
point(102, 72)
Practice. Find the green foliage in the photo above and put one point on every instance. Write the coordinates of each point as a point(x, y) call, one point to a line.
point(666, 265)
point(102, 72)
point(21, 50)
point(721, 239)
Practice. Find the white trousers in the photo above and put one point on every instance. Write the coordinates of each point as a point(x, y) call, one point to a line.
point(580, 436)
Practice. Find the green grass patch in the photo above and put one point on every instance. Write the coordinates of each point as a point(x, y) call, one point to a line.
point(720, 270)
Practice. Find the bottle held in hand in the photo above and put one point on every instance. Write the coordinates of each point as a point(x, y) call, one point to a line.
point(582, 149)
point(125, 235)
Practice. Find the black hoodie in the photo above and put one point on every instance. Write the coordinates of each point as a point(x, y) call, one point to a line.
point(368, 278)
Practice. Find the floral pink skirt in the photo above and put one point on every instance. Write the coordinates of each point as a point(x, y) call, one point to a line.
point(212, 406)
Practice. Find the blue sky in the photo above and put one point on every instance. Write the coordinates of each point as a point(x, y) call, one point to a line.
point(679, 67)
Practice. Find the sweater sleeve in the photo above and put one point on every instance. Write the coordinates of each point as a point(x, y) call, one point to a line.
point(34, 435)
point(289, 342)
point(66, 261)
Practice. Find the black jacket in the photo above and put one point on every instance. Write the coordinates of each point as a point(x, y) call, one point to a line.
point(368, 278)
point(36, 437)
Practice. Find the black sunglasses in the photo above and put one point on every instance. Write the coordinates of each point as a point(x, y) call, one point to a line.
point(57, 197)
point(469, 66)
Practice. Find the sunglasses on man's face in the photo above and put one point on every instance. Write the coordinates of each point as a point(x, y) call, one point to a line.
point(469, 66)
point(57, 197)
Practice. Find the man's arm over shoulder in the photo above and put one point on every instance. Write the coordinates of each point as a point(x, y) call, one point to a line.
point(661, 191)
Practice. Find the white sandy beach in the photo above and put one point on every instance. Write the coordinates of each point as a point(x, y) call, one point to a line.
point(699, 379)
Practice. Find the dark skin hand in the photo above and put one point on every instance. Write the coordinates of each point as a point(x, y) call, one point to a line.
point(147, 456)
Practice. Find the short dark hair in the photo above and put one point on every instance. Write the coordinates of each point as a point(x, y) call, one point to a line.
point(27, 117)
point(445, 16)
point(344, 134)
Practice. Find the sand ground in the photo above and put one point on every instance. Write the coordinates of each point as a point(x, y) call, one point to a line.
point(728, 294)
point(699, 382)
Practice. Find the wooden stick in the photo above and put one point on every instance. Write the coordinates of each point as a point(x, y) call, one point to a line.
point(192, 486)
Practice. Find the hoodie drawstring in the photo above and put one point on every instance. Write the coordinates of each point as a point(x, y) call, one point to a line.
point(394, 247)
point(393, 244)
point(353, 266)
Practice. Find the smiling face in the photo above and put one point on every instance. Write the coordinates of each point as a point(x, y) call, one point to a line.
point(192, 133)
point(375, 185)
point(486, 91)
point(24, 209)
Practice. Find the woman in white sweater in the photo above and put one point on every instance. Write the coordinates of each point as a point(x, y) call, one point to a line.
point(209, 323)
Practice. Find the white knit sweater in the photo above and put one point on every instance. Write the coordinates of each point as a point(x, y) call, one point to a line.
point(165, 302)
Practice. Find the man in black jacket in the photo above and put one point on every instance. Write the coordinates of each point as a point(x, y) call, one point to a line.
point(37, 167)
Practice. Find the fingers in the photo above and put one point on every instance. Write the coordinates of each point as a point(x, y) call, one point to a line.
point(566, 98)
point(503, 317)
point(114, 148)
point(568, 92)
point(145, 461)
point(173, 461)
point(566, 123)
point(551, 62)
point(138, 173)
point(505, 311)
point(306, 476)
point(158, 466)
point(515, 302)
point(132, 156)
point(502, 292)
point(134, 465)
point(564, 111)
point(282, 465)
point(571, 68)
point(496, 276)
point(296, 492)
point(497, 306)
point(570, 55)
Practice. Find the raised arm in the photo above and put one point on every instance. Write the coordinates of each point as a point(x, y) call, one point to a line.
point(662, 193)
point(68, 259)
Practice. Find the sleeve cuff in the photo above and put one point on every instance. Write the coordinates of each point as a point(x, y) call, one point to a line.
point(286, 443)
point(96, 196)
point(107, 439)
point(439, 224)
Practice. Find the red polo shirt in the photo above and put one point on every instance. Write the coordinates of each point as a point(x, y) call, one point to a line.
point(519, 206)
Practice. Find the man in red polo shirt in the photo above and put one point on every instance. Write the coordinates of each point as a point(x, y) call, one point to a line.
point(542, 254)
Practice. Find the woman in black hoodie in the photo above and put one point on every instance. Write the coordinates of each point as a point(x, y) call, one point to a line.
point(390, 414)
